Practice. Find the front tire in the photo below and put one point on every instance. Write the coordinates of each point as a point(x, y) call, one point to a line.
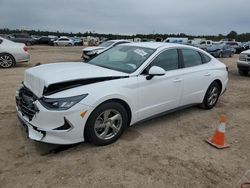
point(106, 123)
point(212, 95)
point(6, 61)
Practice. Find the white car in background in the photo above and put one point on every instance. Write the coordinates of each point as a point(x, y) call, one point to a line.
point(12, 53)
point(64, 41)
point(65, 103)
point(90, 52)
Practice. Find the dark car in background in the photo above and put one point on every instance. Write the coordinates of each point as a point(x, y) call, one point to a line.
point(22, 38)
point(221, 50)
point(45, 40)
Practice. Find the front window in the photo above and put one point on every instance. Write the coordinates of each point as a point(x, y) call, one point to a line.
point(168, 60)
point(106, 44)
point(123, 58)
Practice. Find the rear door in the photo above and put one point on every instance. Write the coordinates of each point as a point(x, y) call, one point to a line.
point(161, 93)
point(197, 76)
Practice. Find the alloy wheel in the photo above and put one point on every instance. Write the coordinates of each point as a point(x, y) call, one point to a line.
point(108, 124)
point(213, 96)
point(6, 61)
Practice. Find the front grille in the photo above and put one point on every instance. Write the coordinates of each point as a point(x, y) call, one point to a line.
point(25, 102)
point(248, 58)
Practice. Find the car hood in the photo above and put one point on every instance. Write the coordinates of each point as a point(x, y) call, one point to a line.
point(60, 75)
point(92, 48)
point(246, 52)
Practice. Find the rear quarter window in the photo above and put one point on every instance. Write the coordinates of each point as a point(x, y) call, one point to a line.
point(205, 58)
point(1, 41)
point(191, 58)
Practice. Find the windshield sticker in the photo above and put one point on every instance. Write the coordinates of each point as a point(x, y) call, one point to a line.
point(140, 52)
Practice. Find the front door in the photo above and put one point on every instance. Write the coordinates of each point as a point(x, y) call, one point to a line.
point(161, 93)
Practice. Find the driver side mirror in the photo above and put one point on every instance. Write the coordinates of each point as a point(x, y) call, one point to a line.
point(155, 71)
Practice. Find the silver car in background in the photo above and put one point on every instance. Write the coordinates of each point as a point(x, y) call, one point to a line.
point(64, 41)
point(12, 53)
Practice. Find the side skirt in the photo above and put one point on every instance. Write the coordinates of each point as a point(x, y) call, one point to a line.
point(165, 113)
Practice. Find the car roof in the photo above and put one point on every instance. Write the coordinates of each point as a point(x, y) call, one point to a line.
point(155, 45)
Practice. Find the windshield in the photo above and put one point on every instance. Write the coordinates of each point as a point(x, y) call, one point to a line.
point(123, 58)
point(106, 44)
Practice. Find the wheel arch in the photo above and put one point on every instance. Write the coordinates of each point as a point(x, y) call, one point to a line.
point(218, 82)
point(123, 103)
point(118, 100)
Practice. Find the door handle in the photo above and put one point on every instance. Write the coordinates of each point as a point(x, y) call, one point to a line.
point(177, 80)
point(207, 74)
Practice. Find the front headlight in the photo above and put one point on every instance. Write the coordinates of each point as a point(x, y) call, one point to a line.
point(243, 57)
point(61, 103)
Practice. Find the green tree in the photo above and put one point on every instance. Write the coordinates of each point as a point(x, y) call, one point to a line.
point(232, 35)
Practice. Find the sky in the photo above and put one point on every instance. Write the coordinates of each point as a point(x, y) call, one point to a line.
point(194, 17)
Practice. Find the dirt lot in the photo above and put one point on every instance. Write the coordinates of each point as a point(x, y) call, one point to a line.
point(165, 152)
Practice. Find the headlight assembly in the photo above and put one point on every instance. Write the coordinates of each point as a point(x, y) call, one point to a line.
point(243, 57)
point(61, 103)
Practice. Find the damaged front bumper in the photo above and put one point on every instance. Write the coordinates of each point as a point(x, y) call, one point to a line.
point(56, 127)
point(30, 130)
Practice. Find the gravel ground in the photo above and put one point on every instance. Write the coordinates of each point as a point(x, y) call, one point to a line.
point(164, 152)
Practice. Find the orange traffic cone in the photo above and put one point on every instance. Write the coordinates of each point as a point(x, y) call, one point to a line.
point(218, 139)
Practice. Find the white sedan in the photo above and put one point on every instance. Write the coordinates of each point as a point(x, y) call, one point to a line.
point(64, 41)
point(66, 103)
point(12, 53)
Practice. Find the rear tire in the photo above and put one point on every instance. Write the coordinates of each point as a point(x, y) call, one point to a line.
point(243, 72)
point(7, 61)
point(211, 97)
point(106, 124)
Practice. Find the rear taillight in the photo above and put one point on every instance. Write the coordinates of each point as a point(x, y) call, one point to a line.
point(25, 48)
